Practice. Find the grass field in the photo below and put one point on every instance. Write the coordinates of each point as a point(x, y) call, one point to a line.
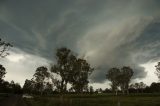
point(96, 100)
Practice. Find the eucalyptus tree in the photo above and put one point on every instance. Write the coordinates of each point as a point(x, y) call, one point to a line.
point(120, 78)
point(39, 77)
point(80, 73)
point(71, 69)
point(125, 78)
point(113, 76)
point(63, 67)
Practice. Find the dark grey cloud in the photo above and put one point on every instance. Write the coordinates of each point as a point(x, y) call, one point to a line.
point(108, 33)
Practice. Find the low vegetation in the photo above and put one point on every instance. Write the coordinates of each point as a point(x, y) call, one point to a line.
point(96, 100)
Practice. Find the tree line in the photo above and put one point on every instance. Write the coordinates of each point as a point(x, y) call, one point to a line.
point(72, 70)
point(5, 86)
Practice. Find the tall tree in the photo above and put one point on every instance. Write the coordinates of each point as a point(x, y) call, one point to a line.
point(120, 78)
point(40, 75)
point(63, 67)
point(158, 70)
point(113, 76)
point(79, 76)
point(4, 47)
point(72, 70)
point(124, 78)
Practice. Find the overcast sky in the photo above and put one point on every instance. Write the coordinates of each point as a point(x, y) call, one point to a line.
point(108, 33)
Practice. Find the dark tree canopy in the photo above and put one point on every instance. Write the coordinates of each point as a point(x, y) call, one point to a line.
point(28, 86)
point(138, 87)
point(12, 87)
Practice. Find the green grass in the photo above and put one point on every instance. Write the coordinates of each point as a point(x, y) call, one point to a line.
point(96, 100)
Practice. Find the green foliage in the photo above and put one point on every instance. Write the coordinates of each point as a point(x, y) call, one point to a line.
point(96, 100)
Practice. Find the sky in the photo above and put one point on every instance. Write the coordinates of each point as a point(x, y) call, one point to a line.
point(107, 33)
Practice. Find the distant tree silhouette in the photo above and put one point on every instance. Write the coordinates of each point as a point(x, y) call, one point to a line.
point(155, 87)
point(138, 87)
point(99, 90)
point(4, 47)
point(158, 70)
point(142, 86)
point(91, 90)
point(6, 87)
point(134, 88)
point(107, 90)
point(15, 87)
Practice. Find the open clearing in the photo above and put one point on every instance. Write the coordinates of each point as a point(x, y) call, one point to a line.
point(95, 100)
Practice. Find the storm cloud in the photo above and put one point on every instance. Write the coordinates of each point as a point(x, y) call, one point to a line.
point(107, 33)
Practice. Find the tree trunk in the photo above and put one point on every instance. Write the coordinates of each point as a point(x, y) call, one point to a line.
point(65, 86)
point(62, 86)
point(116, 92)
